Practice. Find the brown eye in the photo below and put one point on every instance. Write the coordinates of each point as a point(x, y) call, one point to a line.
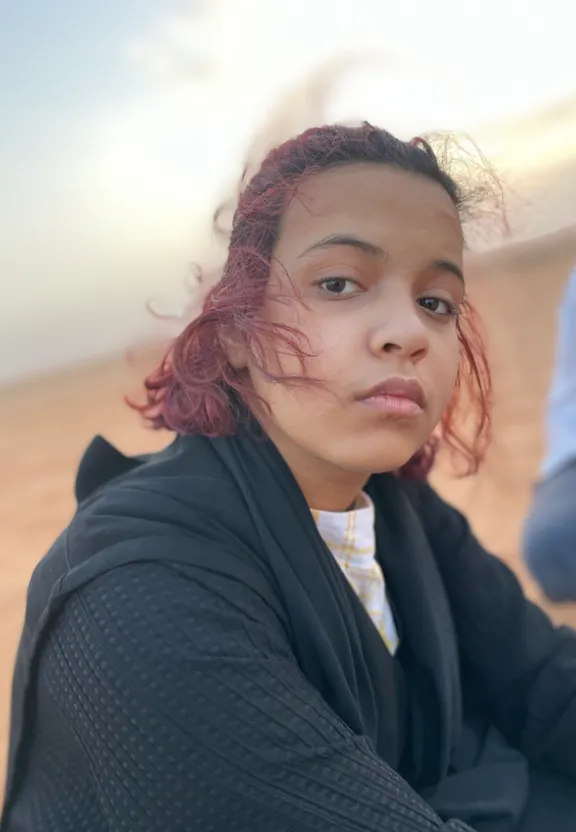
point(338, 285)
point(439, 306)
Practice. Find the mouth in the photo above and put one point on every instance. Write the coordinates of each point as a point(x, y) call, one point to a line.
point(398, 396)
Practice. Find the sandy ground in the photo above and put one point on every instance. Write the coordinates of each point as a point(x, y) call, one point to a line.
point(45, 425)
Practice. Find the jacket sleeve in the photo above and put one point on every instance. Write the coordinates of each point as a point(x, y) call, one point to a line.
point(514, 661)
point(189, 711)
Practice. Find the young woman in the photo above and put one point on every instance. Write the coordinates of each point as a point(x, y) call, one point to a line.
point(276, 623)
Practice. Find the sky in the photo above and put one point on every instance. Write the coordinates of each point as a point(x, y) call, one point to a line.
point(123, 122)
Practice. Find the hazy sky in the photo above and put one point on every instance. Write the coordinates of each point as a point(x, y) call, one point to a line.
point(122, 121)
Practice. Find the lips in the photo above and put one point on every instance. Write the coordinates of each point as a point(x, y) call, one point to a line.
point(400, 388)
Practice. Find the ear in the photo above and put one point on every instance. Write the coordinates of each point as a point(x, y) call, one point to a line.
point(235, 350)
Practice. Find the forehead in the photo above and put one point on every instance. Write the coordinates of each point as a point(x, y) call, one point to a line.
point(374, 200)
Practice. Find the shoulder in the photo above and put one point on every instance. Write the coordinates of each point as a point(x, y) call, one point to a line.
point(159, 487)
point(181, 493)
point(463, 561)
point(174, 508)
point(440, 520)
point(167, 607)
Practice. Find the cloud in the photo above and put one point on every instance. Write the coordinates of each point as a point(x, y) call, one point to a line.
point(173, 49)
point(114, 221)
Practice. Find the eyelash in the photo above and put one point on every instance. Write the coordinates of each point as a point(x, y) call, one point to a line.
point(322, 283)
point(452, 310)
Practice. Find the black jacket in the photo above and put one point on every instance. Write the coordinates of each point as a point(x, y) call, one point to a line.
point(194, 658)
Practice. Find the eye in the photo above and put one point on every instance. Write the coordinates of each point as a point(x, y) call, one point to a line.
point(336, 286)
point(439, 306)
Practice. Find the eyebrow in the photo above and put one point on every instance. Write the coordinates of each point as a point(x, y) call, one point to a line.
point(376, 251)
point(346, 240)
point(448, 266)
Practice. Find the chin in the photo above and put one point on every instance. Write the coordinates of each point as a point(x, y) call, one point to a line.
point(374, 463)
point(383, 466)
point(380, 456)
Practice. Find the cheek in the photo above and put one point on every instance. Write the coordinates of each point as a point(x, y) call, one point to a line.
point(447, 366)
point(309, 345)
point(323, 358)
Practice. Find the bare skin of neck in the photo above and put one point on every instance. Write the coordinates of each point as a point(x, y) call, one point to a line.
point(326, 487)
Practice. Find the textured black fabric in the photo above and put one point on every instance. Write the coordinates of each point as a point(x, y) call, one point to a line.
point(551, 806)
point(193, 658)
point(192, 713)
point(515, 665)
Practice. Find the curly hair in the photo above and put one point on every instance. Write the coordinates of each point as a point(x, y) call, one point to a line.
point(195, 390)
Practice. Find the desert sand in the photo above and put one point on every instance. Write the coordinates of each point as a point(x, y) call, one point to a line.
point(46, 423)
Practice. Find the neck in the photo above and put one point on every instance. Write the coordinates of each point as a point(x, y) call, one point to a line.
point(329, 495)
point(326, 487)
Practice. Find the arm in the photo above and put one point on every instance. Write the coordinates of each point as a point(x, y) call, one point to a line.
point(515, 662)
point(190, 712)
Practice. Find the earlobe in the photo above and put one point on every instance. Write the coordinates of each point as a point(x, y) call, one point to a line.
point(235, 350)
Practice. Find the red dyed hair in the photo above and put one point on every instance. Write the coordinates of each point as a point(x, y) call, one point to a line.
point(195, 390)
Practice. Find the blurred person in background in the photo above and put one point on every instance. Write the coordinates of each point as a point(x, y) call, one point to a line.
point(276, 623)
point(550, 528)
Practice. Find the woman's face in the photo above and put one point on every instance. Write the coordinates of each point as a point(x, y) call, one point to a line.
point(371, 259)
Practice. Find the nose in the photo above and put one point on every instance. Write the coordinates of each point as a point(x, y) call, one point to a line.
point(403, 332)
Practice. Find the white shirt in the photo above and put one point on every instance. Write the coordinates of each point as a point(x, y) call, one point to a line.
point(351, 537)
